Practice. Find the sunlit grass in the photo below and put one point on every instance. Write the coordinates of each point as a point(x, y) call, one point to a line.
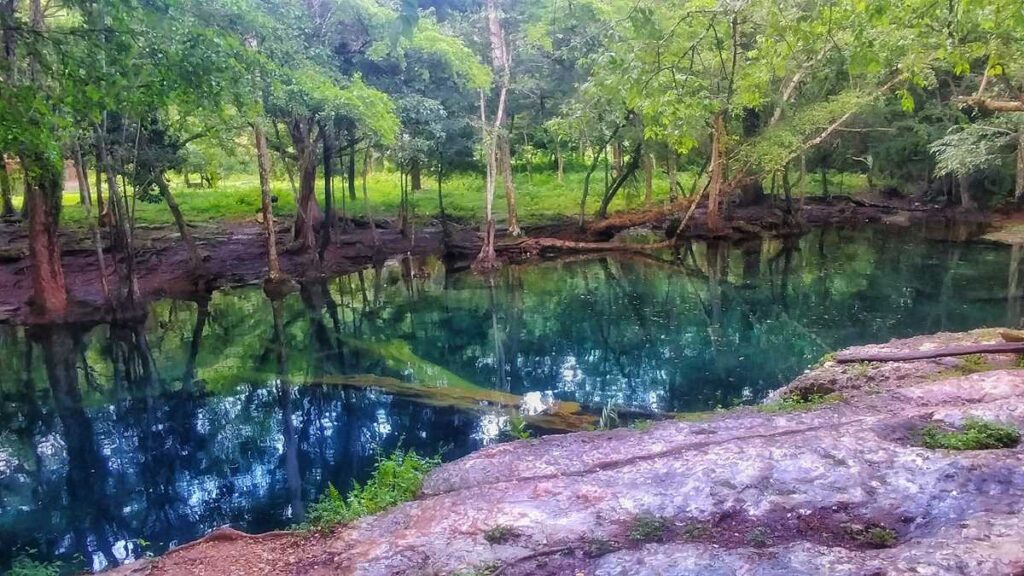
point(541, 198)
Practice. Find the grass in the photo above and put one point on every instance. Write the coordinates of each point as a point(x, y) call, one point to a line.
point(970, 364)
point(975, 434)
point(648, 528)
point(797, 403)
point(541, 198)
point(874, 535)
point(500, 534)
point(396, 478)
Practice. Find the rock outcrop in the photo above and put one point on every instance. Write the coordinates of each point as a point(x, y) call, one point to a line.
point(830, 479)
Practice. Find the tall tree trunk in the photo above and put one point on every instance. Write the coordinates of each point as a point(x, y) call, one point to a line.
point(308, 217)
point(617, 158)
point(328, 157)
point(195, 259)
point(367, 162)
point(672, 175)
point(352, 169)
point(648, 179)
point(625, 174)
point(43, 196)
point(416, 174)
point(263, 160)
point(505, 159)
point(487, 257)
point(6, 191)
point(590, 172)
point(1018, 193)
point(559, 160)
point(717, 172)
point(966, 200)
point(83, 185)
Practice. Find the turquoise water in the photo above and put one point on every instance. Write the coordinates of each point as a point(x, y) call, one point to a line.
point(118, 441)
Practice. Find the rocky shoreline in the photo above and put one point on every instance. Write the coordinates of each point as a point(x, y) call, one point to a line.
point(828, 477)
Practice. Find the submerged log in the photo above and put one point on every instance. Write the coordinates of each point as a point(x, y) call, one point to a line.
point(943, 352)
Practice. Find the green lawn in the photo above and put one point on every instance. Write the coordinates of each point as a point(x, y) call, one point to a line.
point(541, 198)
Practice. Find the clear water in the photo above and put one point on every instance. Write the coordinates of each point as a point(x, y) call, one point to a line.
point(117, 441)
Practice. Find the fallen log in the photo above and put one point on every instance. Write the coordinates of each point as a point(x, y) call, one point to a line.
point(944, 352)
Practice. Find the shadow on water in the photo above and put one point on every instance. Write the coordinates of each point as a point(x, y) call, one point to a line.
point(119, 440)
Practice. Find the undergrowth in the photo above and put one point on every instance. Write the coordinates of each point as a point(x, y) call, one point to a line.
point(975, 434)
point(798, 403)
point(396, 478)
point(25, 566)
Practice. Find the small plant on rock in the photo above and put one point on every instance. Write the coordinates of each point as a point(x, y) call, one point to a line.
point(517, 428)
point(798, 403)
point(500, 534)
point(760, 537)
point(873, 535)
point(648, 528)
point(597, 546)
point(695, 530)
point(975, 434)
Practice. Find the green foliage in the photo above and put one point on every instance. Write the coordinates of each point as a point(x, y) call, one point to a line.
point(517, 428)
point(797, 403)
point(25, 566)
point(500, 534)
point(975, 434)
point(395, 479)
point(971, 148)
point(649, 528)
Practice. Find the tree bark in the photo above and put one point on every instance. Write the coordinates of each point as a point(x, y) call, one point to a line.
point(328, 157)
point(625, 174)
point(367, 162)
point(83, 185)
point(648, 179)
point(6, 191)
point(195, 259)
point(308, 216)
point(486, 259)
point(510, 187)
point(966, 200)
point(717, 172)
point(672, 176)
point(43, 197)
point(416, 174)
point(263, 161)
point(559, 160)
point(1018, 193)
point(352, 169)
point(590, 173)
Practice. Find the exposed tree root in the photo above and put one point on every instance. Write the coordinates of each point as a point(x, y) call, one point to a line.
point(944, 352)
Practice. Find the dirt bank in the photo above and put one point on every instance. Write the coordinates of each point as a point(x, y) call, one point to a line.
point(236, 254)
point(836, 487)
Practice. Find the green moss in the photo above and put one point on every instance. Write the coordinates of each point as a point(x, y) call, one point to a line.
point(694, 416)
point(798, 403)
point(861, 369)
point(695, 531)
point(500, 534)
point(829, 357)
point(642, 425)
point(648, 528)
point(975, 434)
point(873, 535)
point(395, 479)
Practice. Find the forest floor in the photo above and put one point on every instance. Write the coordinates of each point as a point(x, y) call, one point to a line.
point(235, 250)
point(829, 477)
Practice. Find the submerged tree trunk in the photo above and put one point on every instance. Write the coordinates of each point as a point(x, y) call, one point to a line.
point(43, 197)
point(263, 161)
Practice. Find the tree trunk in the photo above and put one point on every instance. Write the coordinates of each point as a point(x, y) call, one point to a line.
point(672, 176)
point(966, 200)
point(505, 159)
point(308, 217)
point(617, 158)
point(6, 191)
point(590, 172)
point(83, 185)
point(626, 172)
point(1018, 193)
point(717, 172)
point(122, 239)
point(352, 169)
point(367, 162)
point(263, 160)
point(559, 160)
point(43, 197)
point(648, 179)
point(416, 174)
point(486, 259)
point(328, 228)
point(195, 259)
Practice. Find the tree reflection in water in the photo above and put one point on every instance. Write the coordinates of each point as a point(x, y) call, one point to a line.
point(119, 440)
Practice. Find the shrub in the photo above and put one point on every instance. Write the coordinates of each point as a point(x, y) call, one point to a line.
point(975, 434)
point(395, 479)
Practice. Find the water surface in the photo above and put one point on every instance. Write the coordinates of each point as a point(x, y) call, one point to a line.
point(117, 441)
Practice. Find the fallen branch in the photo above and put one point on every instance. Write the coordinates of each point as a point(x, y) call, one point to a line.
point(944, 352)
point(992, 105)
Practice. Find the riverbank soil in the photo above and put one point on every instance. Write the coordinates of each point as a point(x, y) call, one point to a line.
point(829, 477)
point(235, 252)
